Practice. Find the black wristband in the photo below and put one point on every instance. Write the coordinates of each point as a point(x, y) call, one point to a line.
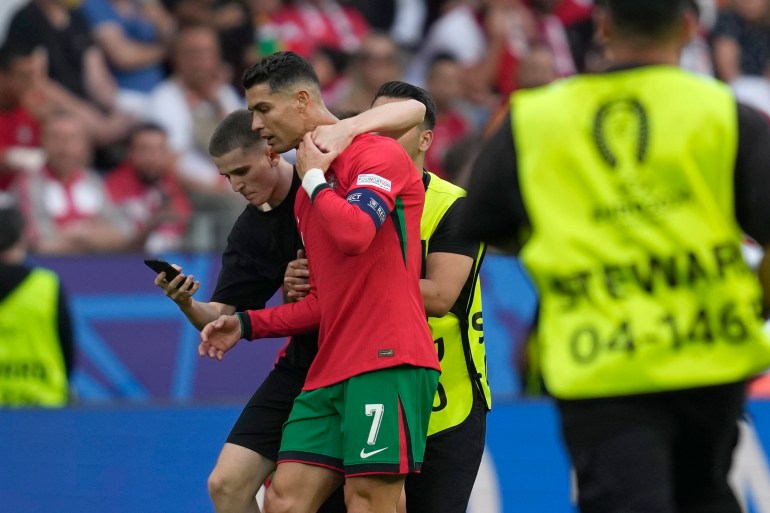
point(245, 321)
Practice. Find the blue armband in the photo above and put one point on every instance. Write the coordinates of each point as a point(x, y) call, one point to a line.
point(371, 203)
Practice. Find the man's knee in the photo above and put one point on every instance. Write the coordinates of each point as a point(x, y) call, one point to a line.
point(220, 483)
point(278, 502)
point(223, 483)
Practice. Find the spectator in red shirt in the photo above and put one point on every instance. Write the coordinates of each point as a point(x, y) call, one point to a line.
point(147, 192)
point(19, 127)
point(304, 25)
point(66, 204)
point(446, 86)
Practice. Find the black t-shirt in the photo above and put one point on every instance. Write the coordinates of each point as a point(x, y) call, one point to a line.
point(66, 47)
point(446, 239)
point(494, 210)
point(259, 247)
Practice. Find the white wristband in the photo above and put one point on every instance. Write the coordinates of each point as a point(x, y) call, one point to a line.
point(313, 178)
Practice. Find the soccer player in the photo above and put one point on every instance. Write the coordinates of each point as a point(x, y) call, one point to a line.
point(262, 241)
point(451, 291)
point(626, 193)
point(363, 412)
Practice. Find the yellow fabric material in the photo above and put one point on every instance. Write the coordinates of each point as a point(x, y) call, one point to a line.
point(455, 336)
point(32, 370)
point(627, 178)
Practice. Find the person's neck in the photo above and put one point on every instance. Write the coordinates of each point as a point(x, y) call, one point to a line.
point(56, 13)
point(15, 255)
point(285, 178)
point(632, 54)
point(419, 162)
point(320, 116)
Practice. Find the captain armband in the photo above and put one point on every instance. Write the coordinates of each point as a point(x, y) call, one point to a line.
point(370, 203)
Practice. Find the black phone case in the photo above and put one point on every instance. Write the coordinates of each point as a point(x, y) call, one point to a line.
point(160, 266)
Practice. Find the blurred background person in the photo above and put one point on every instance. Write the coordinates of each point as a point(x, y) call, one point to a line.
point(741, 49)
point(134, 35)
point(445, 85)
point(36, 343)
point(146, 191)
point(74, 61)
point(189, 105)
point(230, 19)
point(19, 122)
point(65, 203)
point(377, 61)
point(741, 40)
point(456, 31)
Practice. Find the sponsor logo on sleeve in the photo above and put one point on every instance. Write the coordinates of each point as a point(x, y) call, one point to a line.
point(374, 181)
point(377, 209)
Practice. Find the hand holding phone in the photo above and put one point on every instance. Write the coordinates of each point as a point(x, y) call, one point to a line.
point(161, 266)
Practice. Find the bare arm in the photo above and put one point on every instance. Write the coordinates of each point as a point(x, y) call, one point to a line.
point(394, 118)
point(125, 53)
point(445, 275)
point(99, 82)
point(727, 58)
point(181, 289)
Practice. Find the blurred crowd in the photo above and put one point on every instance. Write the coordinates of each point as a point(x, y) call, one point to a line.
point(107, 106)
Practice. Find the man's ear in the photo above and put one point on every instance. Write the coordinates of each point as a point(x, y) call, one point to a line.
point(303, 100)
point(689, 27)
point(272, 156)
point(603, 31)
point(426, 139)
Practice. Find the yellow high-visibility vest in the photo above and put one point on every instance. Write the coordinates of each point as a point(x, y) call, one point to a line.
point(627, 178)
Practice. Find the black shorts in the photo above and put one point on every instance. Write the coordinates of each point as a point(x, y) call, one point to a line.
point(260, 424)
point(668, 452)
point(452, 459)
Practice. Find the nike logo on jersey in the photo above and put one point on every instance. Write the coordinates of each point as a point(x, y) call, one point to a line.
point(365, 454)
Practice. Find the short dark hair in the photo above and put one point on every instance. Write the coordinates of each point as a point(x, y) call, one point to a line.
point(647, 18)
point(280, 70)
point(398, 89)
point(442, 57)
point(146, 126)
point(234, 132)
point(10, 52)
point(11, 222)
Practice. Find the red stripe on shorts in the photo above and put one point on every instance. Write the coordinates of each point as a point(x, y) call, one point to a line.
point(403, 464)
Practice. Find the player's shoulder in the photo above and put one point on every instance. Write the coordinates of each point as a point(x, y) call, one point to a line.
point(438, 186)
point(370, 142)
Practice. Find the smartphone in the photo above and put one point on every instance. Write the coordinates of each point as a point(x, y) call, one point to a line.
point(161, 266)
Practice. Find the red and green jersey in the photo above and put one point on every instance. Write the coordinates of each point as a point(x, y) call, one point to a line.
point(362, 238)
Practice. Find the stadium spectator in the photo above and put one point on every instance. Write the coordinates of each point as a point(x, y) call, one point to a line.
point(457, 31)
point(189, 105)
point(36, 343)
point(231, 19)
point(146, 190)
point(19, 123)
point(741, 40)
point(134, 35)
point(403, 20)
point(649, 372)
point(397, 375)
point(377, 61)
point(73, 59)
point(65, 203)
point(74, 74)
point(445, 84)
point(304, 25)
